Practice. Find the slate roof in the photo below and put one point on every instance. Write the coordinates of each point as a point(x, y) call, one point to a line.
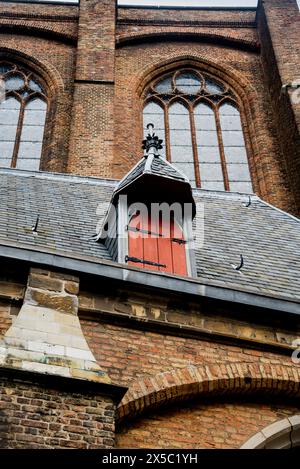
point(134, 174)
point(158, 167)
point(70, 208)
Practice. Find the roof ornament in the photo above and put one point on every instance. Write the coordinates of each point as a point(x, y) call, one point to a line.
point(241, 264)
point(152, 143)
point(34, 227)
point(247, 204)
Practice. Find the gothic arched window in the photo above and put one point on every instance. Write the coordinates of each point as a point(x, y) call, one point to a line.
point(23, 109)
point(199, 120)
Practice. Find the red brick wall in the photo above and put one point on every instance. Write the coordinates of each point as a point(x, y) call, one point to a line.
point(139, 353)
point(96, 40)
point(188, 15)
point(91, 142)
point(35, 10)
point(92, 130)
point(34, 416)
point(278, 26)
point(219, 423)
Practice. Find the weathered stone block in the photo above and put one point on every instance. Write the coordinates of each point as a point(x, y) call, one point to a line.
point(139, 311)
point(79, 353)
point(37, 271)
point(64, 303)
point(92, 375)
point(86, 301)
point(64, 276)
point(71, 287)
point(11, 290)
point(45, 283)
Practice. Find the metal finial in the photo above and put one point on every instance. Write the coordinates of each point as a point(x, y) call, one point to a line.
point(152, 142)
point(150, 128)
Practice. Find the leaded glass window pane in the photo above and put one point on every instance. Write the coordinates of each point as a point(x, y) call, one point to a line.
point(210, 168)
point(211, 86)
point(154, 114)
point(234, 149)
point(22, 118)
point(5, 67)
point(32, 135)
point(9, 117)
point(188, 82)
point(14, 82)
point(181, 140)
point(164, 86)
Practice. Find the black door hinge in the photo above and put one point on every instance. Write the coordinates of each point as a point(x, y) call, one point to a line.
point(143, 261)
point(140, 230)
point(179, 241)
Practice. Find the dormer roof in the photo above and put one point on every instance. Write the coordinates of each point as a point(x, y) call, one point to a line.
point(154, 166)
point(154, 178)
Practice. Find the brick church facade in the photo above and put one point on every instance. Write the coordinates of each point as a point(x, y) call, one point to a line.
point(125, 330)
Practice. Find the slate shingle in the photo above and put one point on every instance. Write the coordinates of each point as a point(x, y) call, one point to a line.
point(267, 238)
point(158, 167)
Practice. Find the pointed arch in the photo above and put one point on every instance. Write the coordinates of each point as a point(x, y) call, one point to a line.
point(45, 70)
point(195, 132)
point(244, 91)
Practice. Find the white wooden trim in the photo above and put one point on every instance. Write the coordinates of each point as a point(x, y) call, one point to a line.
point(189, 252)
point(122, 232)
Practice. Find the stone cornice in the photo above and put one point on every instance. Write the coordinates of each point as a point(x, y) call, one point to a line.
point(62, 382)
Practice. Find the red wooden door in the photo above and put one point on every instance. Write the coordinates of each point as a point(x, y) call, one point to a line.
point(156, 244)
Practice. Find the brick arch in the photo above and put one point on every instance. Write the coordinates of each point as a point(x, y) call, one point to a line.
point(33, 29)
point(172, 35)
point(283, 434)
point(192, 381)
point(245, 93)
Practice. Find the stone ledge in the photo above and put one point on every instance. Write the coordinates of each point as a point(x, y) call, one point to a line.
point(65, 383)
point(87, 310)
point(12, 291)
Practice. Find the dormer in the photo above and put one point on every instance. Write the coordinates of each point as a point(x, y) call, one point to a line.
point(149, 221)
